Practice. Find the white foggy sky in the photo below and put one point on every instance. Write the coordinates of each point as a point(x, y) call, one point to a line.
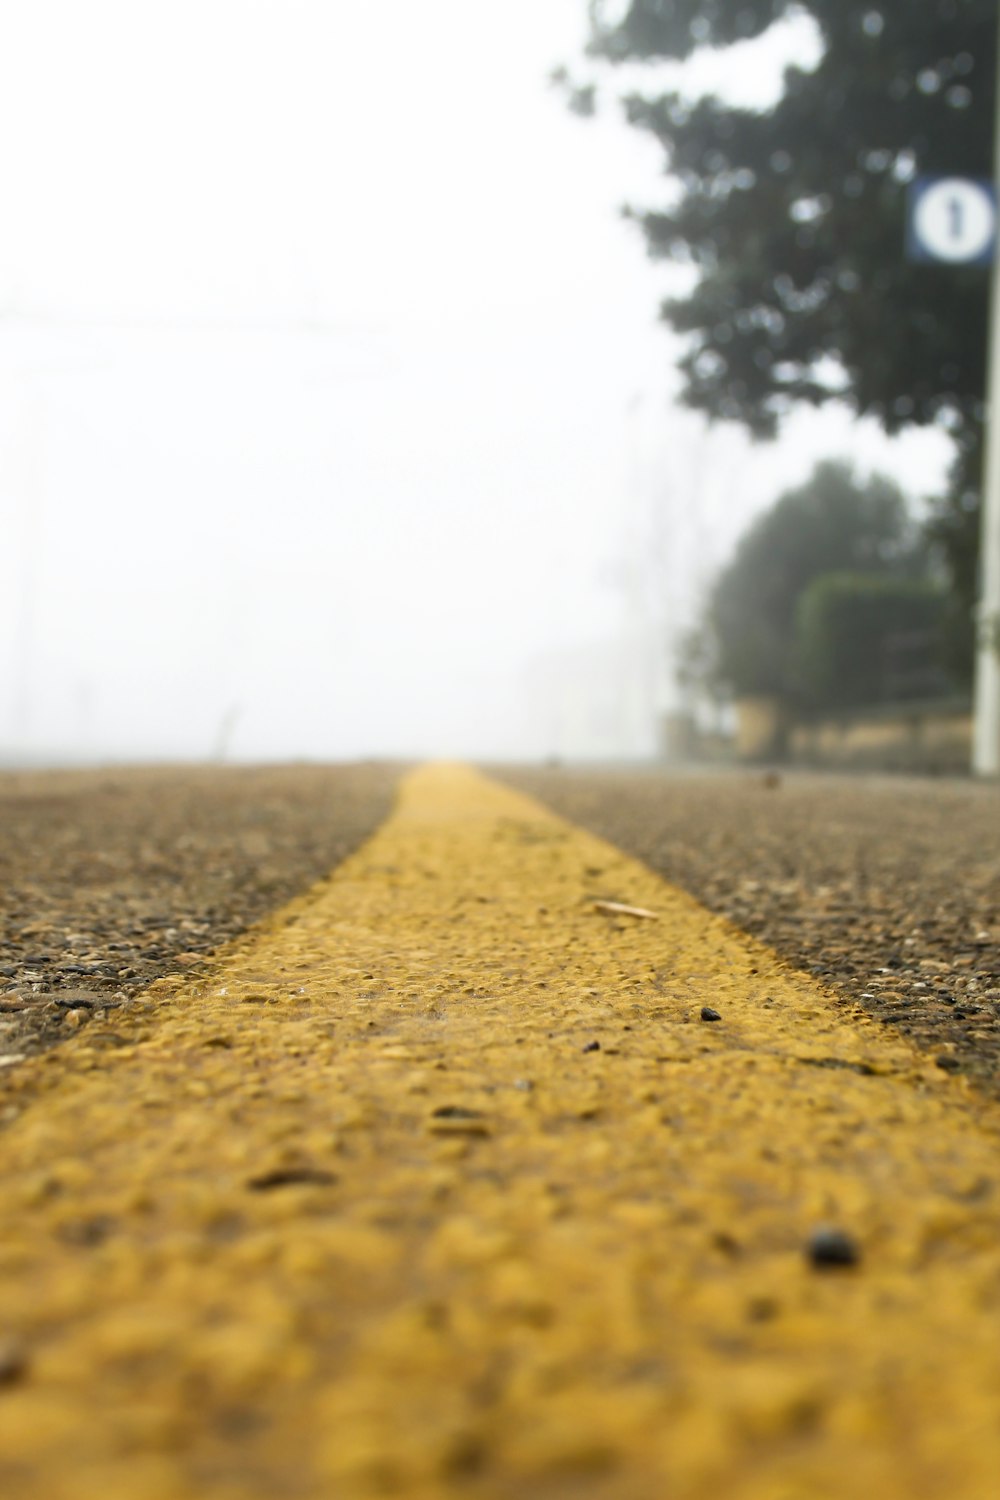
point(319, 380)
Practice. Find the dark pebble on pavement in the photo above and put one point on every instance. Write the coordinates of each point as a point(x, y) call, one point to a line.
point(832, 1249)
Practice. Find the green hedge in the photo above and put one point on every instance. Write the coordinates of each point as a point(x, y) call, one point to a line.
point(861, 639)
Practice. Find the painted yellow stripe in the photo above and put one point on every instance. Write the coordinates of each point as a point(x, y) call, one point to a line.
point(366, 1213)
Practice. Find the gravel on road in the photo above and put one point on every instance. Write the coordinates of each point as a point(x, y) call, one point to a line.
point(887, 889)
point(110, 879)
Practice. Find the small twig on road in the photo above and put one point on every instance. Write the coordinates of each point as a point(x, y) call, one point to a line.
point(618, 909)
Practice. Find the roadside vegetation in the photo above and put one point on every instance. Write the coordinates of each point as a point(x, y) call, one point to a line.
point(790, 222)
point(835, 598)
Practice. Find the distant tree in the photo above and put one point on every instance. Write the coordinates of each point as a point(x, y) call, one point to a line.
point(832, 524)
point(792, 218)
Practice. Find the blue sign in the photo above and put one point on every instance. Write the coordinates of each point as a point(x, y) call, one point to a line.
point(951, 220)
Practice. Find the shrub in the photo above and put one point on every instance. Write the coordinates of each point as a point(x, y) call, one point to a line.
point(863, 639)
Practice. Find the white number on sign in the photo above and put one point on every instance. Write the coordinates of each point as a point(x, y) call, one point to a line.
point(954, 220)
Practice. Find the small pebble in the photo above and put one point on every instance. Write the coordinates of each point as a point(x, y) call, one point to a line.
point(762, 1309)
point(724, 1241)
point(291, 1177)
point(708, 1014)
point(592, 1047)
point(13, 1361)
point(832, 1248)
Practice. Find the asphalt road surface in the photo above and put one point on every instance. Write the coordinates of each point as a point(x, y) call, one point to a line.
point(886, 889)
point(455, 1179)
point(492, 1162)
point(112, 879)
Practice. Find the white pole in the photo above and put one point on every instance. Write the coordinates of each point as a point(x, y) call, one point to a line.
point(986, 699)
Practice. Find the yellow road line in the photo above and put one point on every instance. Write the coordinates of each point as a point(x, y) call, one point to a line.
point(367, 1213)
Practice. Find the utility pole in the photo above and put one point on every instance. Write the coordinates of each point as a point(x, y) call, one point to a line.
point(986, 697)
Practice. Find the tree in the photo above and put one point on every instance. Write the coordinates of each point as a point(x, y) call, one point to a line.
point(832, 524)
point(792, 218)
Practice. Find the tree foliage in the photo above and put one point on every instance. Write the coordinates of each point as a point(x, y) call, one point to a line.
point(793, 217)
point(832, 524)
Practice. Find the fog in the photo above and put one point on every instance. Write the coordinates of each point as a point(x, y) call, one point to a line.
point(335, 419)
